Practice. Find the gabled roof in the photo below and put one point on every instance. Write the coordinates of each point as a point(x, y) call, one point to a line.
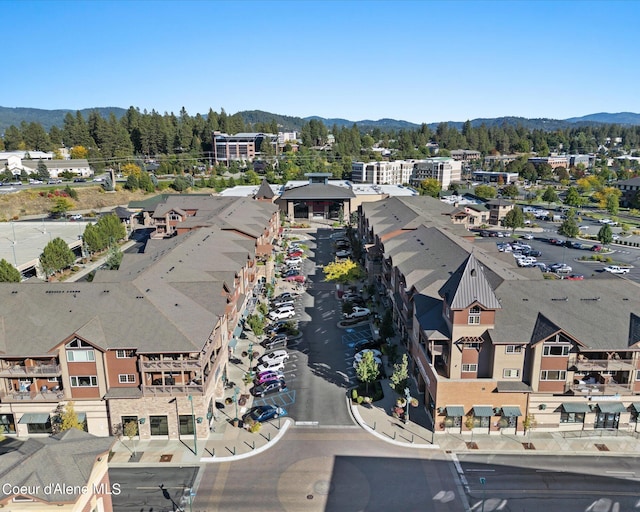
point(64, 460)
point(265, 191)
point(312, 191)
point(468, 285)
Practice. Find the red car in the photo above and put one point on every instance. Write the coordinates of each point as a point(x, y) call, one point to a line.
point(575, 277)
point(297, 279)
point(295, 254)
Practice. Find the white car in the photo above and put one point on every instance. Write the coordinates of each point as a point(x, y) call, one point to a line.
point(292, 261)
point(280, 314)
point(376, 353)
point(270, 366)
point(343, 254)
point(615, 269)
point(526, 261)
point(276, 355)
point(527, 236)
point(358, 312)
point(356, 362)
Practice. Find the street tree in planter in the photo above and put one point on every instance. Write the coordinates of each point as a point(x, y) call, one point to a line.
point(400, 376)
point(386, 329)
point(367, 370)
point(130, 430)
point(470, 422)
point(56, 256)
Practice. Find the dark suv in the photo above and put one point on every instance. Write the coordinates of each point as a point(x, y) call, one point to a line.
point(276, 341)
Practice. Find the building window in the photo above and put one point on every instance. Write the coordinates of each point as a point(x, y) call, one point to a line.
point(39, 428)
point(553, 375)
point(511, 373)
point(481, 421)
point(126, 378)
point(571, 417)
point(469, 367)
point(475, 345)
point(80, 356)
point(186, 424)
point(122, 354)
point(556, 350)
point(474, 315)
point(513, 349)
point(78, 381)
point(7, 424)
point(159, 425)
point(129, 419)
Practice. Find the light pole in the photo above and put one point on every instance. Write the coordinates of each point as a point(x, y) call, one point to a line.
point(195, 432)
point(407, 397)
point(236, 392)
point(482, 482)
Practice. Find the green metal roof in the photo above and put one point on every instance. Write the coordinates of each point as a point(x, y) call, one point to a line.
point(611, 407)
point(483, 411)
point(454, 410)
point(636, 406)
point(575, 407)
point(511, 411)
point(40, 418)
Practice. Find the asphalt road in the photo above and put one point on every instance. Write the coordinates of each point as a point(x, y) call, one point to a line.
point(553, 484)
point(152, 489)
point(318, 371)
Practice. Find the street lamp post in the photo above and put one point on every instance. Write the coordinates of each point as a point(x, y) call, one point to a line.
point(407, 397)
point(236, 392)
point(195, 432)
point(482, 482)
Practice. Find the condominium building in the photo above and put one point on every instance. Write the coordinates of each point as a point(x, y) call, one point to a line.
point(397, 172)
point(148, 343)
point(240, 147)
point(492, 344)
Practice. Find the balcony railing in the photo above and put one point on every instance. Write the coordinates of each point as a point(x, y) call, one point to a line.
point(43, 370)
point(599, 365)
point(599, 389)
point(180, 389)
point(170, 365)
point(31, 396)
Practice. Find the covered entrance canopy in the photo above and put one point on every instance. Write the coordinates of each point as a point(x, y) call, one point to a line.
point(317, 199)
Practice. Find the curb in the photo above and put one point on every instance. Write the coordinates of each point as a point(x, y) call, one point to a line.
point(263, 448)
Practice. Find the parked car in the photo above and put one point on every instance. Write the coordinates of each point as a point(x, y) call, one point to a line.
point(281, 314)
point(527, 236)
point(273, 366)
point(265, 413)
point(596, 248)
point(79, 180)
point(290, 273)
point(358, 312)
point(277, 355)
point(615, 269)
point(284, 296)
point(365, 344)
point(376, 353)
point(575, 277)
point(560, 267)
point(297, 279)
point(269, 387)
point(275, 341)
point(77, 216)
point(54, 182)
point(294, 254)
point(343, 254)
point(282, 302)
point(263, 377)
point(297, 259)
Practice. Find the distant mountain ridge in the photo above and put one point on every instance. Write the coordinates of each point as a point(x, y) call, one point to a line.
point(48, 118)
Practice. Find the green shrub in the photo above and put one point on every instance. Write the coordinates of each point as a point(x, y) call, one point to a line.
point(360, 399)
point(354, 394)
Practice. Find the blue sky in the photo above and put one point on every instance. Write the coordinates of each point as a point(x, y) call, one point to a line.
point(421, 61)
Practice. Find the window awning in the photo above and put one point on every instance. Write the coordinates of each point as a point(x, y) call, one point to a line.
point(611, 407)
point(454, 410)
point(636, 406)
point(483, 411)
point(233, 342)
point(511, 411)
point(39, 418)
point(573, 407)
point(238, 330)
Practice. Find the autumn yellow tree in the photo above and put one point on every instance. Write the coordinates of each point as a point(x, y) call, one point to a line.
point(606, 195)
point(78, 152)
point(131, 169)
point(343, 271)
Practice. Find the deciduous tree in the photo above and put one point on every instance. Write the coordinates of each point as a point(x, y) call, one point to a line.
point(343, 271)
point(56, 256)
point(549, 196)
point(514, 219)
point(485, 192)
point(367, 370)
point(605, 235)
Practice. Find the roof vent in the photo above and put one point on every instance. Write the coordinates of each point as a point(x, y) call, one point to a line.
point(562, 299)
point(592, 298)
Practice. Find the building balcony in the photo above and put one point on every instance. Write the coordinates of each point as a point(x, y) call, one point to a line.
point(173, 365)
point(175, 390)
point(31, 396)
point(584, 364)
point(599, 389)
point(19, 370)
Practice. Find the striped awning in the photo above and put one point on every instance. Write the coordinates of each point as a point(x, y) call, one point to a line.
point(511, 411)
point(611, 407)
point(483, 411)
point(35, 418)
point(573, 407)
point(454, 410)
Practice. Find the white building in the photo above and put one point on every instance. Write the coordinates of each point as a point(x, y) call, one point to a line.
point(397, 172)
point(444, 169)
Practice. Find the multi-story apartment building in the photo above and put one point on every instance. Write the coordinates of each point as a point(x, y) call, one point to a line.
point(397, 172)
point(444, 169)
point(630, 192)
point(491, 343)
point(240, 147)
point(466, 155)
point(147, 342)
point(553, 161)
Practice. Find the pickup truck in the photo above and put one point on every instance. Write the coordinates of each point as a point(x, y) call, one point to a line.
point(615, 269)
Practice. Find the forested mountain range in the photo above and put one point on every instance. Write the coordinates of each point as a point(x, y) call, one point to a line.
point(49, 118)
